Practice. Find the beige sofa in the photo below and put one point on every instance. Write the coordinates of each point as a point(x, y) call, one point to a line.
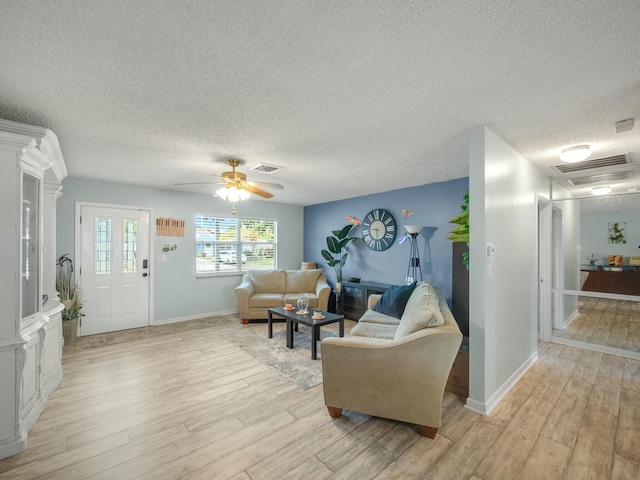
point(264, 289)
point(394, 368)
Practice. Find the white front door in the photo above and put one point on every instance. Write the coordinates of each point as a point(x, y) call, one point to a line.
point(114, 268)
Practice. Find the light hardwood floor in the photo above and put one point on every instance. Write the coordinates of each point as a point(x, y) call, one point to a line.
point(192, 405)
point(610, 323)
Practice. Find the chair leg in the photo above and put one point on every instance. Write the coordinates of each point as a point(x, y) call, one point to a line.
point(429, 432)
point(334, 412)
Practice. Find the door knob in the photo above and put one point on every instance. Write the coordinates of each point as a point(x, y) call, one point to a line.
point(145, 274)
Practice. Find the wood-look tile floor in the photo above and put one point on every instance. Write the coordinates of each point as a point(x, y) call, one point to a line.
point(191, 405)
point(610, 323)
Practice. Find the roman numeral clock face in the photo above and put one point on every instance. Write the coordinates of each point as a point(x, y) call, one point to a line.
point(378, 229)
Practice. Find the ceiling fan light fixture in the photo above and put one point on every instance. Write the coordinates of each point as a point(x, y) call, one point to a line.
point(233, 194)
point(603, 190)
point(575, 154)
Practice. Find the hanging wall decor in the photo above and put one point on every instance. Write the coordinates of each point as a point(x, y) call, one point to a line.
point(169, 227)
point(617, 232)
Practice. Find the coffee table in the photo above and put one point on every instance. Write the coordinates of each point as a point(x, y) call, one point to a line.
point(293, 319)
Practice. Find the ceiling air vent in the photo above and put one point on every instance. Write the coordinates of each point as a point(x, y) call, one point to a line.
point(595, 163)
point(605, 177)
point(266, 168)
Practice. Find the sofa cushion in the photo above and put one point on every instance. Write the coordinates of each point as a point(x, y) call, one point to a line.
point(422, 311)
point(374, 330)
point(371, 316)
point(302, 281)
point(266, 300)
point(394, 300)
point(268, 281)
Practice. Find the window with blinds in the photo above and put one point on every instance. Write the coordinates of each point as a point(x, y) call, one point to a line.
point(234, 245)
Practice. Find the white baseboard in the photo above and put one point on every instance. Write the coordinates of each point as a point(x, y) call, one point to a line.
point(13, 446)
point(485, 408)
point(571, 318)
point(198, 316)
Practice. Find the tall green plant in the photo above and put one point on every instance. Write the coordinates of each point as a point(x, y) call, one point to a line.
point(68, 291)
point(335, 255)
point(461, 232)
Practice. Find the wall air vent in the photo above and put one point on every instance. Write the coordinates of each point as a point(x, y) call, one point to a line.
point(604, 178)
point(595, 163)
point(266, 168)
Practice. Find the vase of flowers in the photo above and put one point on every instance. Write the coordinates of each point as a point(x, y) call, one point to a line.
point(592, 258)
point(70, 297)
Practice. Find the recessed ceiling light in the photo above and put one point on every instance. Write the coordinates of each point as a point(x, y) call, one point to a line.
point(575, 154)
point(601, 190)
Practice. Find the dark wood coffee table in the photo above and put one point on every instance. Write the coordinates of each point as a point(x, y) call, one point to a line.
point(293, 319)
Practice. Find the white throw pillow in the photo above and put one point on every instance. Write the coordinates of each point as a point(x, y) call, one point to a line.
point(422, 311)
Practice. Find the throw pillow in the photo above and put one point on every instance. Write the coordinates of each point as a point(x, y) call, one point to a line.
point(394, 299)
point(422, 311)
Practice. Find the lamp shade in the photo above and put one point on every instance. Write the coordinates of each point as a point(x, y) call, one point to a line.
point(413, 229)
point(233, 194)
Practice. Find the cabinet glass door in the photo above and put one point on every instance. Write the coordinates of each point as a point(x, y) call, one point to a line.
point(30, 260)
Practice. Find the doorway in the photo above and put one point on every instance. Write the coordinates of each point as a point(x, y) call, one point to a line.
point(113, 248)
point(600, 300)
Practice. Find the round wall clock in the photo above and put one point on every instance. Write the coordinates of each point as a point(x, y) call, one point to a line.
point(378, 229)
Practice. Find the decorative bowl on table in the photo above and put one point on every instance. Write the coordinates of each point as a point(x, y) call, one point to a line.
point(353, 279)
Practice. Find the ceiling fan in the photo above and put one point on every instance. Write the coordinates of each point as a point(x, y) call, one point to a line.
point(236, 187)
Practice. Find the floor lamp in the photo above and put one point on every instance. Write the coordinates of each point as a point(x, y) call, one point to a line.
point(414, 270)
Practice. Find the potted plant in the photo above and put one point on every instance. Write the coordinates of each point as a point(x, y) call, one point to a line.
point(70, 297)
point(461, 232)
point(335, 255)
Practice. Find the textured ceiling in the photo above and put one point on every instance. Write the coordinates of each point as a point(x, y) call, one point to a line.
point(350, 97)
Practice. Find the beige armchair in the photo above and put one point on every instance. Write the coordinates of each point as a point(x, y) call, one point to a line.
point(392, 376)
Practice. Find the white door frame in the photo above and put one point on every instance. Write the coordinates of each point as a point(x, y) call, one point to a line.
point(544, 269)
point(78, 242)
point(557, 246)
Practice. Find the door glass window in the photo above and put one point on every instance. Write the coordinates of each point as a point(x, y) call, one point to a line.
point(103, 245)
point(130, 238)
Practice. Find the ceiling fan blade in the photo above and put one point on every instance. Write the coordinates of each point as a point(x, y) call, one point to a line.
point(198, 183)
point(277, 186)
point(257, 191)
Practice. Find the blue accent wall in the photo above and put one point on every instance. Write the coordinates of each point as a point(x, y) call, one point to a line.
point(433, 205)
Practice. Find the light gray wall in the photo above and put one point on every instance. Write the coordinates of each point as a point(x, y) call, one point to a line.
point(177, 292)
point(595, 237)
point(503, 296)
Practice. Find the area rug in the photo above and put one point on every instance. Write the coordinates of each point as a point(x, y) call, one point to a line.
point(294, 363)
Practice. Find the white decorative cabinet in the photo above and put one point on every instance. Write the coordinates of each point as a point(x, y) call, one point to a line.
point(30, 320)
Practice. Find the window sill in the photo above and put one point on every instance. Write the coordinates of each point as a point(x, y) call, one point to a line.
point(219, 274)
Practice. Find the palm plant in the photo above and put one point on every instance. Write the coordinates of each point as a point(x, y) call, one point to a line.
point(461, 232)
point(336, 256)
